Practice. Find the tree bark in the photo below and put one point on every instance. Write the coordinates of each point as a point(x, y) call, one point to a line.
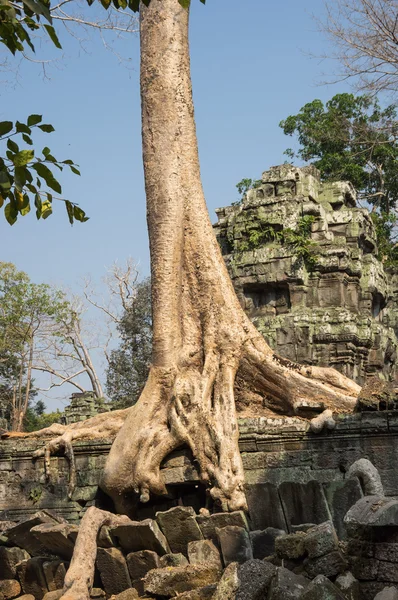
point(206, 352)
point(204, 346)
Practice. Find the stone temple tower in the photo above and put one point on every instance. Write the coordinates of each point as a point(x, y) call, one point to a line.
point(304, 261)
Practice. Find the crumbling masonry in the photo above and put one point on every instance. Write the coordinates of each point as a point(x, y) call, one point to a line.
point(338, 309)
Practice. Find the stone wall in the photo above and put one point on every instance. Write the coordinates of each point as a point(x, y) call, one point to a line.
point(342, 309)
point(282, 460)
point(222, 556)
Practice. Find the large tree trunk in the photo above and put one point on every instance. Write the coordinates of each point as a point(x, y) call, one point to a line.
point(203, 343)
point(205, 349)
point(206, 352)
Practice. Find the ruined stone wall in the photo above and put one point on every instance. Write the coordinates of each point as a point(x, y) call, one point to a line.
point(282, 460)
point(340, 308)
point(314, 522)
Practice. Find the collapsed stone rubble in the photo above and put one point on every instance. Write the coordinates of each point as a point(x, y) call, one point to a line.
point(212, 556)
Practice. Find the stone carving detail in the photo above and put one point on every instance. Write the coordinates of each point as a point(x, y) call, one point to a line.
point(342, 311)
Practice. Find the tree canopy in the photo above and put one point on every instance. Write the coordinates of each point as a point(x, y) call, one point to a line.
point(353, 138)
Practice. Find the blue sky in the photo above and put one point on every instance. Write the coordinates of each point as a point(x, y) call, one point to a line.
point(250, 69)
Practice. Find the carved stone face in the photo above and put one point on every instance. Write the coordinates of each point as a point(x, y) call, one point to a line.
point(286, 188)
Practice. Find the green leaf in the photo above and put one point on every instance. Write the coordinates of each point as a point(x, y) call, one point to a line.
point(31, 188)
point(27, 139)
point(26, 206)
point(34, 120)
point(5, 127)
point(46, 209)
point(20, 177)
point(46, 128)
point(74, 170)
point(53, 36)
point(11, 213)
point(11, 145)
point(22, 128)
point(46, 151)
point(23, 157)
point(69, 210)
point(185, 3)
point(38, 202)
point(5, 183)
point(48, 177)
point(79, 214)
point(38, 8)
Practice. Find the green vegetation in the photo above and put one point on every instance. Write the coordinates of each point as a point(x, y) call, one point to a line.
point(259, 234)
point(352, 138)
point(35, 494)
point(37, 418)
point(129, 364)
point(27, 179)
point(244, 186)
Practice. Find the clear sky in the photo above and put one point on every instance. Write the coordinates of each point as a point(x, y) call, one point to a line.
point(251, 67)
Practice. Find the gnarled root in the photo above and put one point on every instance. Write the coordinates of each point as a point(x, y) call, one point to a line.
point(196, 408)
point(80, 575)
point(101, 426)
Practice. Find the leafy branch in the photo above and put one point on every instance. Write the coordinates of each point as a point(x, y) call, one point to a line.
point(27, 180)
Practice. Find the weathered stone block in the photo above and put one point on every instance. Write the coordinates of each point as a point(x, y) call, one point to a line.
point(304, 502)
point(341, 496)
point(204, 593)
point(265, 507)
point(290, 546)
point(9, 588)
point(365, 568)
point(97, 593)
point(174, 581)
point(320, 540)
point(348, 585)
point(369, 589)
point(21, 536)
point(385, 551)
point(180, 527)
point(139, 563)
point(9, 559)
point(285, 585)
point(362, 548)
point(263, 542)
point(55, 595)
point(228, 585)
point(235, 544)
point(55, 539)
point(113, 570)
point(204, 552)
point(369, 512)
point(388, 593)
point(255, 578)
point(54, 573)
point(321, 588)
point(141, 535)
point(31, 576)
point(130, 594)
point(330, 565)
point(388, 571)
point(209, 524)
point(173, 560)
